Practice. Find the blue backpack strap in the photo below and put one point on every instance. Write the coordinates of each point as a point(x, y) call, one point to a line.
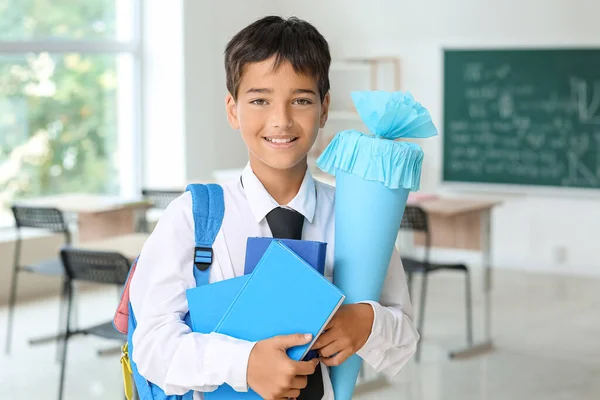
point(208, 207)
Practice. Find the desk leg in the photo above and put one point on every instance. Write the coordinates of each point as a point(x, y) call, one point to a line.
point(487, 272)
point(487, 345)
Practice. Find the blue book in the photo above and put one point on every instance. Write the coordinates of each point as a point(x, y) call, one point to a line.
point(220, 295)
point(208, 303)
point(312, 252)
point(284, 295)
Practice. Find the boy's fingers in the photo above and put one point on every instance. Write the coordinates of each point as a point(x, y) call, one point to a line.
point(299, 382)
point(324, 339)
point(331, 322)
point(291, 394)
point(331, 349)
point(287, 341)
point(338, 359)
point(306, 367)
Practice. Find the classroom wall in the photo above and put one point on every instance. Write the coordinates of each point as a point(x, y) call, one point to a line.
point(164, 105)
point(529, 232)
point(210, 143)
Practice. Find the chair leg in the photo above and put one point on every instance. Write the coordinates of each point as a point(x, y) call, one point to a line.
point(469, 308)
point(421, 322)
point(142, 224)
point(62, 370)
point(12, 298)
point(409, 281)
point(63, 307)
point(75, 310)
point(65, 345)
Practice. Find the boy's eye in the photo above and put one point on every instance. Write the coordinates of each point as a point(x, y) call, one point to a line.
point(302, 102)
point(259, 102)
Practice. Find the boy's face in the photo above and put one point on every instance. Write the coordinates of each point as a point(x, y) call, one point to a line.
point(278, 112)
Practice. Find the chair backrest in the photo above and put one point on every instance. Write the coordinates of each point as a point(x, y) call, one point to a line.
point(47, 218)
point(95, 266)
point(414, 219)
point(161, 198)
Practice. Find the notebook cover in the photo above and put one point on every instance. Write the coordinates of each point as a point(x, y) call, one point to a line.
point(208, 303)
point(282, 301)
point(312, 252)
point(220, 296)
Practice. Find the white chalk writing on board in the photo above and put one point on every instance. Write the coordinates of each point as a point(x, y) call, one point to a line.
point(588, 100)
point(526, 130)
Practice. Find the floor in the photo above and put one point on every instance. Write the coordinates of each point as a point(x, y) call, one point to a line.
point(546, 330)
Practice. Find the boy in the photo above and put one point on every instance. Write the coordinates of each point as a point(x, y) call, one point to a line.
point(277, 79)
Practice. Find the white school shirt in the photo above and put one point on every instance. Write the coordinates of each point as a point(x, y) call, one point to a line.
point(170, 355)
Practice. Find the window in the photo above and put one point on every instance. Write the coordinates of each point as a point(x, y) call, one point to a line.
point(69, 98)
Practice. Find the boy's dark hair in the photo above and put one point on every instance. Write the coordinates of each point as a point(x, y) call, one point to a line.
point(292, 40)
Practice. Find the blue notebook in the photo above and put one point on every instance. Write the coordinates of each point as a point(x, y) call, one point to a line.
point(209, 303)
point(312, 252)
point(282, 301)
point(221, 294)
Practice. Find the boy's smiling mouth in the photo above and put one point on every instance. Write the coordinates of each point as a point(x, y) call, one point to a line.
point(280, 142)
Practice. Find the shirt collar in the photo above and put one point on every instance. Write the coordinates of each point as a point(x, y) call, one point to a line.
point(261, 203)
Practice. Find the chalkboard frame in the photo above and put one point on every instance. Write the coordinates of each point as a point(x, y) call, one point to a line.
point(508, 189)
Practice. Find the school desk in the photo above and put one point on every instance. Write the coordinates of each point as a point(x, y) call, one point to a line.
point(98, 216)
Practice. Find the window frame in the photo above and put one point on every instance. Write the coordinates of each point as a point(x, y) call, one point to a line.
point(130, 171)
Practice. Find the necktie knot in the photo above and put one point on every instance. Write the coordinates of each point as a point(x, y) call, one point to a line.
point(285, 223)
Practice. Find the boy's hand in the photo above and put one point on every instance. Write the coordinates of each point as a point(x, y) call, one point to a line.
point(272, 374)
point(346, 333)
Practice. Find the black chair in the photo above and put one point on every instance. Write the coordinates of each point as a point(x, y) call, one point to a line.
point(47, 219)
point(97, 267)
point(415, 219)
point(160, 200)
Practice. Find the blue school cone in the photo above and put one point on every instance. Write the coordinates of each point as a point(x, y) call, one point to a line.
point(374, 175)
point(362, 251)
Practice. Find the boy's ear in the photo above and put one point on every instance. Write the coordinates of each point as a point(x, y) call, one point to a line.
point(324, 110)
point(231, 109)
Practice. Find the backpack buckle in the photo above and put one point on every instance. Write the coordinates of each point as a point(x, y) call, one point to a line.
point(203, 257)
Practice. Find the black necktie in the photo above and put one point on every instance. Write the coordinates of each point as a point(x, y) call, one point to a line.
point(287, 224)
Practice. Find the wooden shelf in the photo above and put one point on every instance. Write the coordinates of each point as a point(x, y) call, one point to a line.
point(370, 65)
point(343, 66)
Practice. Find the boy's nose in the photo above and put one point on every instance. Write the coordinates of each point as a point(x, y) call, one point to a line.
point(281, 118)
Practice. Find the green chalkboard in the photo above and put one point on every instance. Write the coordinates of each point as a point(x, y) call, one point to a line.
point(522, 117)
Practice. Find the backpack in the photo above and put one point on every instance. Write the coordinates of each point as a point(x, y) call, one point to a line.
point(208, 208)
